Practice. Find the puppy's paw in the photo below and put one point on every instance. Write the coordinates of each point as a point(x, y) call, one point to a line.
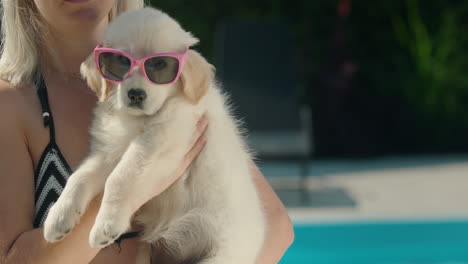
point(61, 219)
point(107, 228)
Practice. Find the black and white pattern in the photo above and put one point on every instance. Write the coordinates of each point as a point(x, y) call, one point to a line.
point(50, 178)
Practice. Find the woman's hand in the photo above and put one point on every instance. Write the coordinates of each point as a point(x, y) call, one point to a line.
point(196, 146)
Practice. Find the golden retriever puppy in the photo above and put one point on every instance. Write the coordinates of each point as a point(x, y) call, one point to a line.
point(151, 84)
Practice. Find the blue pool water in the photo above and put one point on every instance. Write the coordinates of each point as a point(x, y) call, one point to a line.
point(441, 242)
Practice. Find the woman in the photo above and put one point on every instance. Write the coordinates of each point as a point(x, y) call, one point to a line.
point(45, 104)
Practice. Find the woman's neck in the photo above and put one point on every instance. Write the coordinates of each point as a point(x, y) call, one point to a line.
point(70, 50)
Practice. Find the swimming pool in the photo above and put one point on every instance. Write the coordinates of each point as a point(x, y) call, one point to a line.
point(389, 242)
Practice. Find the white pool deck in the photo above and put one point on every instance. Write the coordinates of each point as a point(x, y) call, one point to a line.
point(420, 188)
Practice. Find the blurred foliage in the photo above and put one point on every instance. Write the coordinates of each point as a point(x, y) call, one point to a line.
point(414, 53)
point(433, 65)
point(411, 58)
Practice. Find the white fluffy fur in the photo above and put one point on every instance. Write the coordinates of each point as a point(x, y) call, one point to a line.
point(212, 211)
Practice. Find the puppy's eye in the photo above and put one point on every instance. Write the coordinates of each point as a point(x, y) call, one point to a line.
point(122, 61)
point(156, 64)
point(114, 60)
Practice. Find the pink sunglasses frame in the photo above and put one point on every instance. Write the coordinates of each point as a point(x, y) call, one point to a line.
point(139, 63)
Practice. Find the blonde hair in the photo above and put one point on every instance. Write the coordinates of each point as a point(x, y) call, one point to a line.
point(23, 34)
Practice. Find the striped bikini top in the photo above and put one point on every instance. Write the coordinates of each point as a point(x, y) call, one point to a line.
point(52, 170)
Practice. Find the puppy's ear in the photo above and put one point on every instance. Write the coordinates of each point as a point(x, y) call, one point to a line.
point(99, 85)
point(197, 76)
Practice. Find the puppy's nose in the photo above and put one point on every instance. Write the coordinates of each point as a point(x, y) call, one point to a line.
point(137, 95)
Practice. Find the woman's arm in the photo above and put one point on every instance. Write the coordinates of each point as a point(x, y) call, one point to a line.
point(19, 241)
point(279, 232)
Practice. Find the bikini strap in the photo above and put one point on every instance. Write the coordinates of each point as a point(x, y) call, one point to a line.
point(43, 98)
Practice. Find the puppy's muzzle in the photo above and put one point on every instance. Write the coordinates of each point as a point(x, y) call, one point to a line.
point(137, 96)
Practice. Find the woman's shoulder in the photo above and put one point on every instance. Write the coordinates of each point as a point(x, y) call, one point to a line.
point(11, 94)
point(11, 99)
point(15, 102)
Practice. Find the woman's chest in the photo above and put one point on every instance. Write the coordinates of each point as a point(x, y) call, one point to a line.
point(71, 117)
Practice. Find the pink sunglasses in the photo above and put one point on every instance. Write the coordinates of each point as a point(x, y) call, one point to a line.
point(159, 68)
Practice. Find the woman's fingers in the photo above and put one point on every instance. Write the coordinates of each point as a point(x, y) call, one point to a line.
point(191, 155)
point(197, 145)
point(195, 148)
point(202, 124)
point(188, 158)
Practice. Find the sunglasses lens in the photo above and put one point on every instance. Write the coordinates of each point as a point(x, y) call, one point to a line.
point(162, 69)
point(114, 66)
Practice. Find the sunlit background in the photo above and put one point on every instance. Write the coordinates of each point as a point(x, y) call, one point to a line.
point(358, 111)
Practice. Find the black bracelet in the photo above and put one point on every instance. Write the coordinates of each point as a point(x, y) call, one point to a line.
point(126, 236)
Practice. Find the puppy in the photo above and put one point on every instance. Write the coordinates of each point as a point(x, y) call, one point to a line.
point(139, 136)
